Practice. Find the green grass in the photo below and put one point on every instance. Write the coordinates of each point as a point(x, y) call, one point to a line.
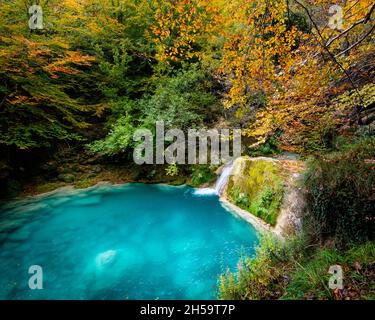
point(298, 270)
point(310, 281)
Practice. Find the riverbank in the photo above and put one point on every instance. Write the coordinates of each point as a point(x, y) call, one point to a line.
point(85, 177)
point(337, 230)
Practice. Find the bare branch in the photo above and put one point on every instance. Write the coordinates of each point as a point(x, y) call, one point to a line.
point(345, 31)
point(368, 17)
point(333, 58)
point(357, 43)
point(362, 21)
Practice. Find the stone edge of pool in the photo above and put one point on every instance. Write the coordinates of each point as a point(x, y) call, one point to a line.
point(256, 222)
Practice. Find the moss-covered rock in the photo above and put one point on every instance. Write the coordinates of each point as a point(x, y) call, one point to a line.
point(256, 185)
point(270, 190)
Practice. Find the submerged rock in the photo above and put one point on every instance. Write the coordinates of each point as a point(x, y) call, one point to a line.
point(105, 258)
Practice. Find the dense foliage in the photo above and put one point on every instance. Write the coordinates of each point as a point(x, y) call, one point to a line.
point(341, 194)
point(181, 101)
point(272, 62)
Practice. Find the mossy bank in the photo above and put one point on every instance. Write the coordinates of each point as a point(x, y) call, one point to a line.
point(268, 189)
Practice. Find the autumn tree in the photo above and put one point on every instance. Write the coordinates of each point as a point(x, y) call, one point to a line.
point(180, 28)
point(40, 73)
point(283, 61)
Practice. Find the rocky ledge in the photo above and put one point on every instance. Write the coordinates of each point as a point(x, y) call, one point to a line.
point(267, 192)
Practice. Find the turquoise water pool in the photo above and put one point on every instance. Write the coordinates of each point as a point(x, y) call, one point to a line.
point(122, 242)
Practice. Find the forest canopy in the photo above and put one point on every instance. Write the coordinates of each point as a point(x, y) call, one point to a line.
point(278, 66)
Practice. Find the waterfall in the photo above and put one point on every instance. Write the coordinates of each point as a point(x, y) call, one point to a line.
point(220, 183)
point(223, 179)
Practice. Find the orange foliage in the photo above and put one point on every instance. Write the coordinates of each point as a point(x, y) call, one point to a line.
point(179, 26)
point(291, 70)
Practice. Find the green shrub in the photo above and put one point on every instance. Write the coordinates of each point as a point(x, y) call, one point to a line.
point(202, 174)
point(240, 199)
point(267, 205)
point(182, 100)
point(172, 170)
point(269, 148)
point(119, 139)
point(264, 276)
point(295, 269)
point(341, 200)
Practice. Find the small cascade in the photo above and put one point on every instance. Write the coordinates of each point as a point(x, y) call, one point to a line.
point(220, 183)
point(223, 179)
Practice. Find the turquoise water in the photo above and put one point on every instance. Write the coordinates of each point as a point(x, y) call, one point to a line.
point(124, 242)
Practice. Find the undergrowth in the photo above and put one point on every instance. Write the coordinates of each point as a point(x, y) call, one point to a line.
point(338, 230)
point(297, 270)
